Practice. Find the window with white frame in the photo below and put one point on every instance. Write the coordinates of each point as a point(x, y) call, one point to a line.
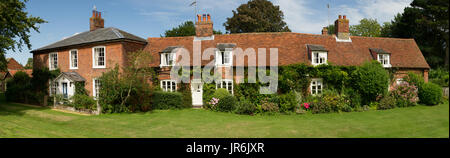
point(168, 85)
point(168, 59)
point(316, 86)
point(224, 58)
point(74, 59)
point(96, 87)
point(53, 61)
point(99, 56)
point(319, 58)
point(384, 59)
point(400, 81)
point(226, 84)
point(54, 88)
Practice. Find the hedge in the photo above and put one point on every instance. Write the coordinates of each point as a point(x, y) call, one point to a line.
point(430, 94)
point(167, 100)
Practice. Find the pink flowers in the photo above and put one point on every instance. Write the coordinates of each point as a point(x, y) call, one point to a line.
point(213, 102)
point(306, 105)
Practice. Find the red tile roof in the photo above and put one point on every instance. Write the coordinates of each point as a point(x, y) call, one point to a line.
point(13, 64)
point(292, 48)
point(29, 72)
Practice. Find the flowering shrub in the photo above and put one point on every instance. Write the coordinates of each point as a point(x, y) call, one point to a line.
point(213, 102)
point(267, 106)
point(387, 102)
point(406, 94)
point(302, 108)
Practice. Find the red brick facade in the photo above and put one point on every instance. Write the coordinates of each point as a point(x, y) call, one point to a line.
point(115, 54)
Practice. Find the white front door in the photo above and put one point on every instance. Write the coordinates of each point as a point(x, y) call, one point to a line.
point(197, 94)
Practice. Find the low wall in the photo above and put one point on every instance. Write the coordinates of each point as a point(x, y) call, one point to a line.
point(68, 108)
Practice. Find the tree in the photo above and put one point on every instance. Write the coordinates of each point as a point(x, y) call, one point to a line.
point(126, 88)
point(435, 16)
point(370, 80)
point(15, 26)
point(256, 16)
point(386, 29)
point(331, 29)
point(29, 64)
point(185, 29)
point(427, 22)
point(366, 28)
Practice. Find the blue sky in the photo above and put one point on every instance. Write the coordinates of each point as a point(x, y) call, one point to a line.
point(150, 18)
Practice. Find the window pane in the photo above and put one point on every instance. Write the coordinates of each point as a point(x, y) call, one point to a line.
point(173, 87)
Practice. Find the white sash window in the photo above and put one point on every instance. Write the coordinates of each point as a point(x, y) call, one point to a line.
point(73, 59)
point(53, 61)
point(99, 57)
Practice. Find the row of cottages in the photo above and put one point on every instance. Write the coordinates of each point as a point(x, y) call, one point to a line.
point(12, 68)
point(83, 57)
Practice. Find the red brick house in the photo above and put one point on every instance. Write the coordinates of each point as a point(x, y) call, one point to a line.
point(12, 68)
point(87, 55)
point(101, 48)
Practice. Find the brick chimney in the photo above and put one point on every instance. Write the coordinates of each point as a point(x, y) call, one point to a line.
point(342, 28)
point(96, 21)
point(204, 26)
point(325, 31)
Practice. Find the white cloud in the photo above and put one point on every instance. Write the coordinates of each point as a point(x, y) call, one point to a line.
point(383, 10)
point(309, 17)
point(300, 17)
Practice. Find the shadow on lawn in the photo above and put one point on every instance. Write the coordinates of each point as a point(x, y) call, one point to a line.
point(7, 108)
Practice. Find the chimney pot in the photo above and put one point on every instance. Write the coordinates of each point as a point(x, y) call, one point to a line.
point(96, 21)
point(342, 28)
point(204, 28)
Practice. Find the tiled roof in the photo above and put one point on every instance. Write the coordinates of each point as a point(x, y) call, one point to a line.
point(3, 75)
point(74, 76)
point(292, 48)
point(313, 47)
point(13, 64)
point(29, 72)
point(99, 35)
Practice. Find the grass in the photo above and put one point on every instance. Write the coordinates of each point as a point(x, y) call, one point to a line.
point(17, 120)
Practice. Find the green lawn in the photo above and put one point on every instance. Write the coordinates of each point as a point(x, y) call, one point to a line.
point(420, 121)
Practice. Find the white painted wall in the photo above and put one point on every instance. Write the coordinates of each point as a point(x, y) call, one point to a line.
point(70, 87)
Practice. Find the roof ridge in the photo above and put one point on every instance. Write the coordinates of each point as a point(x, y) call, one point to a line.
point(383, 38)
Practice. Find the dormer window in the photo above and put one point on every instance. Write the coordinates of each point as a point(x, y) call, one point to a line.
point(169, 56)
point(167, 59)
point(385, 60)
point(318, 54)
point(224, 58)
point(319, 58)
point(382, 56)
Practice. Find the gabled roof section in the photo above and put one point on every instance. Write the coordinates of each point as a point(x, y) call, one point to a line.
point(88, 37)
point(170, 49)
point(73, 76)
point(224, 46)
point(4, 75)
point(313, 47)
point(378, 51)
point(13, 64)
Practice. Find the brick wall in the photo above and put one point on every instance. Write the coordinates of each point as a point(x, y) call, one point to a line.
point(114, 55)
